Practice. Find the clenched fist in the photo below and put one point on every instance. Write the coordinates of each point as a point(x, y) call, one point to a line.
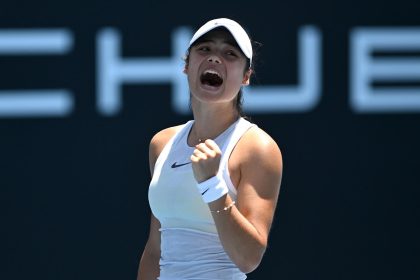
point(206, 160)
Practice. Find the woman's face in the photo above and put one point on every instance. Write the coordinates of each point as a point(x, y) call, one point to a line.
point(216, 68)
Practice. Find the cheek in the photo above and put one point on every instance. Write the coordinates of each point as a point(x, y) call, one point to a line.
point(191, 69)
point(192, 75)
point(237, 77)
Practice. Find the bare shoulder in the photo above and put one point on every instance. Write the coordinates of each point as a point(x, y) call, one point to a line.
point(256, 163)
point(159, 141)
point(258, 147)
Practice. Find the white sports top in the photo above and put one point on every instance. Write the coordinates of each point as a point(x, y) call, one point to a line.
point(190, 246)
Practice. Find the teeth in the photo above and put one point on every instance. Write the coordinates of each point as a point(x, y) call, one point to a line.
point(212, 72)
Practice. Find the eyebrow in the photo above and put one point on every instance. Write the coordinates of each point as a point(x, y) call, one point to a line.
point(229, 42)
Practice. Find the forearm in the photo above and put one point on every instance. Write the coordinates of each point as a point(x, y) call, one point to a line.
point(243, 228)
point(239, 237)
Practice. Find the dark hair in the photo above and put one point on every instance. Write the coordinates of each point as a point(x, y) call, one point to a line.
point(238, 104)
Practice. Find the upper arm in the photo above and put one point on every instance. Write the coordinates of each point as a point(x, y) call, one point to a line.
point(260, 166)
point(153, 242)
point(149, 262)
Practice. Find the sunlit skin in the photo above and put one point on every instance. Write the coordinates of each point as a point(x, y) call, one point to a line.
point(255, 165)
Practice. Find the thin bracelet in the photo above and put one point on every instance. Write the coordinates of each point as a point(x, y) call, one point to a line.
point(224, 208)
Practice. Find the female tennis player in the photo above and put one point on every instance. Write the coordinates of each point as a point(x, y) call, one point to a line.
point(216, 179)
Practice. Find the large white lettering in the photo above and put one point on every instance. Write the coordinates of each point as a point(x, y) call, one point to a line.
point(300, 98)
point(35, 103)
point(365, 69)
point(113, 71)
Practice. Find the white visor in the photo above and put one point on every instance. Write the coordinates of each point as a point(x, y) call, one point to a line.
point(238, 33)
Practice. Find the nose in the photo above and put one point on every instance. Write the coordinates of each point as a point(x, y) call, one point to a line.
point(213, 59)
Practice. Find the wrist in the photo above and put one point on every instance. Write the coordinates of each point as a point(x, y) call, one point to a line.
point(224, 209)
point(212, 188)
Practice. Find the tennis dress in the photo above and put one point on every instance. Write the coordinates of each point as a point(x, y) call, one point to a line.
point(190, 246)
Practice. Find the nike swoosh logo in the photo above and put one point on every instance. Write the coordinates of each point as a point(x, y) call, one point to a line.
point(174, 165)
point(205, 191)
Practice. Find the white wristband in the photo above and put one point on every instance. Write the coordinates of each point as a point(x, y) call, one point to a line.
point(212, 189)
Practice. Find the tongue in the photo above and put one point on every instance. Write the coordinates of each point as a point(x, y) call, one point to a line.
point(211, 79)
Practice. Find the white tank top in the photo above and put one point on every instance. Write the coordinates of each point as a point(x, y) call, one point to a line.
point(190, 247)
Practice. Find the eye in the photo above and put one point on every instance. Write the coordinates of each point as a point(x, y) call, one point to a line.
point(231, 53)
point(203, 48)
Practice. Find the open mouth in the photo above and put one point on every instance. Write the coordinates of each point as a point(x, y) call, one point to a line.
point(211, 78)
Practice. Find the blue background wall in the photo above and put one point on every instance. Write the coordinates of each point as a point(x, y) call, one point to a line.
point(73, 188)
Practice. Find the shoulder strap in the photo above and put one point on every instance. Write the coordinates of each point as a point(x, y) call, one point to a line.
point(241, 127)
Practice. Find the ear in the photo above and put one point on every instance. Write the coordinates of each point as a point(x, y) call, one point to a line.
point(247, 77)
point(185, 68)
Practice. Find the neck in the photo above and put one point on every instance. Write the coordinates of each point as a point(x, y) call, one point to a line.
point(211, 120)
